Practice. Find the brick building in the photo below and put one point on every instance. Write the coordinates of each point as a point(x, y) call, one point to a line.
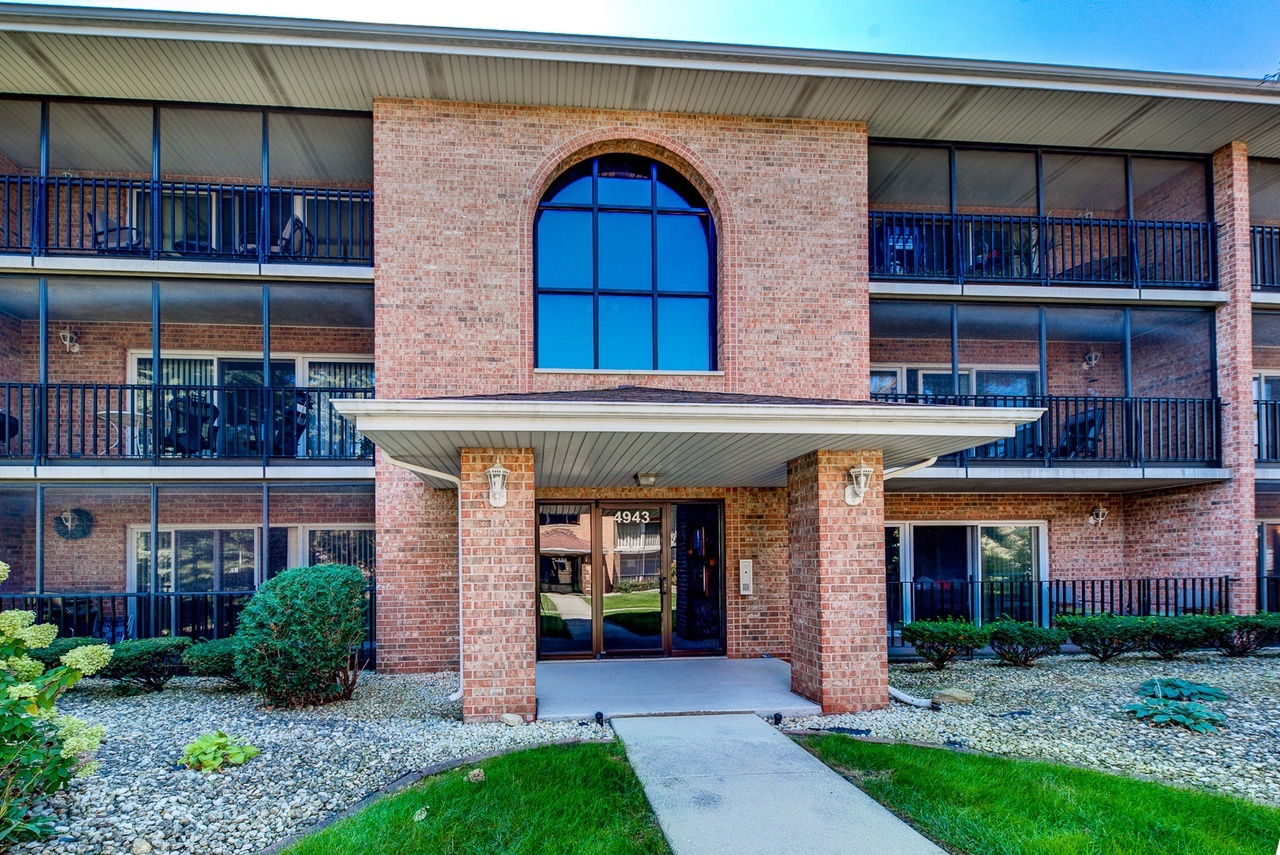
point(587, 347)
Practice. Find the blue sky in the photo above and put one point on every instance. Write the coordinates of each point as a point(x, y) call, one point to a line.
point(1227, 37)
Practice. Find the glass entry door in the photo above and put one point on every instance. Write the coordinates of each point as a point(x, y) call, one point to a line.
point(630, 579)
point(632, 556)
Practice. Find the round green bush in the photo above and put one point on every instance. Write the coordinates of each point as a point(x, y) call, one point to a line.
point(940, 641)
point(49, 656)
point(1021, 643)
point(1243, 635)
point(215, 658)
point(1173, 635)
point(147, 663)
point(299, 635)
point(1104, 637)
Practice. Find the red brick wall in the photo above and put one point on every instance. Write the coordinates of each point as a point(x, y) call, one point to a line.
point(499, 575)
point(838, 649)
point(417, 574)
point(459, 183)
point(17, 548)
point(11, 351)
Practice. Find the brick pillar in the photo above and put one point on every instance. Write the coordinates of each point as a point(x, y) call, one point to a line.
point(1235, 510)
point(498, 588)
point(838, 653)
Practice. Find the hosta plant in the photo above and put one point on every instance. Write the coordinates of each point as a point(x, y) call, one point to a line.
point(1175, 689)
point(1162, 712)
point(40, 750)
point(214, 750)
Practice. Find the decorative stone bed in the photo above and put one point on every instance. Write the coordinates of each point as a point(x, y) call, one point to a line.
point(314, 763)
point(1069, 709)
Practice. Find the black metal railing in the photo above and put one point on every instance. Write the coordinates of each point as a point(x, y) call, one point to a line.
point(116, 617)
point(1042, 250)
point(1269, 594)
point(1044, 601)
point(131, 217)
point(1267, 415)
point(144, 422)
point(1265, 244)
point(1088, 429)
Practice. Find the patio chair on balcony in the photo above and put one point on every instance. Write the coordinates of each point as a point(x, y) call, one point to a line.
point(10, 429)
point(295, 241)
point(192, 426)
point(110, 236)
point(1078, 439)
point(291, 424)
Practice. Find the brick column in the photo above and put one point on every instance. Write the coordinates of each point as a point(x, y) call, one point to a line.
point(498, 588)
point(1235, 371)
point(838, 653)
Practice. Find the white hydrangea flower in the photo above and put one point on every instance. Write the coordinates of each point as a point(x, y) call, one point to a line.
point(89, 659)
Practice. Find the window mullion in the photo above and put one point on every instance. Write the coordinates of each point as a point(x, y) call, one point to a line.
point(595, 263)
point(653, 250)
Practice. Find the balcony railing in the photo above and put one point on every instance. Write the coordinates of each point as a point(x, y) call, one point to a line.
point(1087, 429)
point(1268, 430)
point(141, 422)
point(1042, 250)
point(1266, 257)
point(1042, 602)
point(136, 218)
point(115, 617)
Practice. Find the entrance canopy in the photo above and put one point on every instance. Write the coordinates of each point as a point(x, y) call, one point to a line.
point(691, 439)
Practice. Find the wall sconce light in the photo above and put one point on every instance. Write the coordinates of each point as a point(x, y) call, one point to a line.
point(497, 475)
point(1090, 359)
point(859, 482)
point(1097, 516)
point(646, 479)
point(68, 338)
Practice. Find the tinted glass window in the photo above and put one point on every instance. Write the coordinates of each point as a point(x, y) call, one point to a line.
point(612, 234)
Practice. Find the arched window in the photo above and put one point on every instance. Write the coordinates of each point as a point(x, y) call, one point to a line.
point(624, 269)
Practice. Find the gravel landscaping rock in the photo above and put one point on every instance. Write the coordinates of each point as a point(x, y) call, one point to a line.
point(1069, 709)
point(314, 763)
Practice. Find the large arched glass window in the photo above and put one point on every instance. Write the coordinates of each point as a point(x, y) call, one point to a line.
point(624, 269)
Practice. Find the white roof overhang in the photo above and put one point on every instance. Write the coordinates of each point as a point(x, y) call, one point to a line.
point(109, 53)
point(593, 444)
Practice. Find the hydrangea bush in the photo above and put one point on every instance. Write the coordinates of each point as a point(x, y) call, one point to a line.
point(40, 749)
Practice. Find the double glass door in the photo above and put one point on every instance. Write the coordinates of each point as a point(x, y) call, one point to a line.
point(630, 579)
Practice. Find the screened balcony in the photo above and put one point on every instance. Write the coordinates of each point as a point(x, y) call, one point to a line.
point(125, 561)
point(168, 182)
point(83, 387)
point(1121, 387)
point(1039, 217)
point(1264, 208)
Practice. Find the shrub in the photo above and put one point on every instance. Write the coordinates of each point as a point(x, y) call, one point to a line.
point(1170, 637)
point(1022, 643)
point(298, 637)
point(1163, 713)
point(1174, 689)
point(49, 656)
point(1242, 635)
point(1104, 637)
point(216, 658)
point(212, 751)
point(940, 641)
point(147, 663)
point(40, 750)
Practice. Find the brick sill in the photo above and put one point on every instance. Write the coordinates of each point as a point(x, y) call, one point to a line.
point(629, 372)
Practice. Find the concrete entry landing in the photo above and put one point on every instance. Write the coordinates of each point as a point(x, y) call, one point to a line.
point(733, 784)
point(572, 691)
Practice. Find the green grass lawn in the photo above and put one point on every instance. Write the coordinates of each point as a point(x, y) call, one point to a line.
point(633, 601)
point(980, 805)
point(570, 799)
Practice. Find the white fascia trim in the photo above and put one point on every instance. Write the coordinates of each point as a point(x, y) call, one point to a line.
point(614, 417)
point(603, 50)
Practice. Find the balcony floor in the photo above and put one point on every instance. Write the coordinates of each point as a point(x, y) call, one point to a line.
point(1063, 478)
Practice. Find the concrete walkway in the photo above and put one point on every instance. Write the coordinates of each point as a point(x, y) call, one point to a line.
point(571, 691)
point(732, 784)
